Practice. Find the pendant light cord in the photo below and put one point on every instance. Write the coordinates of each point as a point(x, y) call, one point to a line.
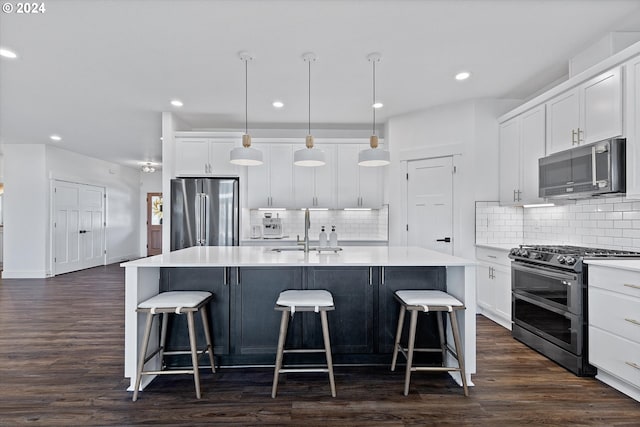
point(246, 97)
point(374, 97)
point(309, 97)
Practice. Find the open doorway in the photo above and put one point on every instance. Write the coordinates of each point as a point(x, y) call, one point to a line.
point(154, 224)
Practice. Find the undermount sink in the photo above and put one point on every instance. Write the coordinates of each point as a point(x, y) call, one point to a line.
point(289, 248)
point(301, 248)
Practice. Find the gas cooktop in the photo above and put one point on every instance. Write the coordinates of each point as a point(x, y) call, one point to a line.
point(564, 256)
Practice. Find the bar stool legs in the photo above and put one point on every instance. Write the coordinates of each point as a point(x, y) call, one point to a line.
point(176, 302)
point(289, 302)
point(284, 322)
point(439, 303)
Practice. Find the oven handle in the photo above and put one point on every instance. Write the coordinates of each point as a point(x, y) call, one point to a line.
point(545, 272)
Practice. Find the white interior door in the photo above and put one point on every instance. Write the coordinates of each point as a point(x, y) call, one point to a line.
point(78, 225)
point(430, 204)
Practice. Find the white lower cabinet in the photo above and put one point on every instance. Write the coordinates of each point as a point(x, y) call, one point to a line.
point(493, 285)
point(614, 327)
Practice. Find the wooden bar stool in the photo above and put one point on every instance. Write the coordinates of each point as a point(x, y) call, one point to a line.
point(291, 301)
point(175, 302)
point(426, 301)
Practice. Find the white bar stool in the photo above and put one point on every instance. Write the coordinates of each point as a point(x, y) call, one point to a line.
point(175, 302)
point(291, 301)
point(426, 301)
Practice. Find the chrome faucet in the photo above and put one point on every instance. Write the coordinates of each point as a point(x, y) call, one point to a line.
point(307, 225)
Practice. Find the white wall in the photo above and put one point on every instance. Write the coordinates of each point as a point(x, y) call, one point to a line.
point(467, 130)
point(29, 172)
point(26, 211)
point(149, 183)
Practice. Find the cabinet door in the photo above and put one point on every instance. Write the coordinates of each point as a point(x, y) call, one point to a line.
point(370, 184)
point(351, 323)
point(484, 286)
point(348, 175)
point(509, 161)
point(304, 186)
point(602, 107)
point(199, 279)
point(532, 146)
point(258, 188)
point(281, 175)
point(192, 157)
point(563, 120)
point(406, 278)
point(255, 323)
point(502, 291)
point(325, 178)
point(219, 158)
point(632, 120)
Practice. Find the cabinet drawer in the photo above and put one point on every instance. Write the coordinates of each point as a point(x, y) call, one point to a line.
point(616, 280)
point(615, 355)
point(615, 313)
point(497, 256)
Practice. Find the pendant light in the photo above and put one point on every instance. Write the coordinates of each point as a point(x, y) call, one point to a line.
point(309, 156)
point(245, 155)
point(374, 156)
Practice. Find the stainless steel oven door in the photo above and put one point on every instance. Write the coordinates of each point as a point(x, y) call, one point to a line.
point(556, 326)
point(556, 288)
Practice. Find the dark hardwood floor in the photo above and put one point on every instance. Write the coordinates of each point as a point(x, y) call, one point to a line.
point(61, 363)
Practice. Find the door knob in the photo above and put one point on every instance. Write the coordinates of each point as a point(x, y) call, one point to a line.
point(446, 240)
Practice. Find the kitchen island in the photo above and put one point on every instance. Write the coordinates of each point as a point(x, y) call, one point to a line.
point(246, 282)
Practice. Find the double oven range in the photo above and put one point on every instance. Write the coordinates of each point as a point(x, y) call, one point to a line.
point(549, 301)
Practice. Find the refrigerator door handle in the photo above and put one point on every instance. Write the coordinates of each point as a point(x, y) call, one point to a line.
point(198, 215)
point(205, 212)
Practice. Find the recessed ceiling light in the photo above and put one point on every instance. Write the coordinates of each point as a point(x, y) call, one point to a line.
point(7, 53)
point(378, 105)
point(278, 104)
point(464, 75)
point(176, 103)
point(55, 138)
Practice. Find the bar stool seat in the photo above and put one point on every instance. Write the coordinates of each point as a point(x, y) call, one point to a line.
point(175, 302)
point(291, 301)
point(425, 301)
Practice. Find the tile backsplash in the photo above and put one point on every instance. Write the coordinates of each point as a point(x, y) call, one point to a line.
point(610, 223)
point(350, 225)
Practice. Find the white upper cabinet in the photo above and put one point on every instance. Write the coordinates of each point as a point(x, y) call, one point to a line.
point(358, 186)
point(271, 184)
point(522, 143)
point(588, 113)
point(632, 131)
point(202, 156)
point(314, 187)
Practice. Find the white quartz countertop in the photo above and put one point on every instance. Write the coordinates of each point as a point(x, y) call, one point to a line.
point(624, 264)
point(501, 246)
point(253, 256)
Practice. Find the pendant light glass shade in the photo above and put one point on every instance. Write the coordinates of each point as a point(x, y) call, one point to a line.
point(309, 156)
point(245, 155)
point(374, 156)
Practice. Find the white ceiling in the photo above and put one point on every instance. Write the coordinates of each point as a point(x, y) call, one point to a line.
point(99, 73)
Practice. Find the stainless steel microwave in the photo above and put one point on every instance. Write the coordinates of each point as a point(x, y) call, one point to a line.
point(580, 172)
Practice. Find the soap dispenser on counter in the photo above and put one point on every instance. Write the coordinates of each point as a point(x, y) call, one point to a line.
point(322, 238)
point(333, 237)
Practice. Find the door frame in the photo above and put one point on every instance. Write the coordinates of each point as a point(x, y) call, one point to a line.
point(453, 205)
point(148, 197)
point(426, 153)
point(52, 243)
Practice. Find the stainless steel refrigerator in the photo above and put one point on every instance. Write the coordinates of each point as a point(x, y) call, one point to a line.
point(204, 212)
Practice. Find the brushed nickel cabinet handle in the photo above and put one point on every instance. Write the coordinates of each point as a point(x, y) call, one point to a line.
point(635, 322)
point(632, 286)
point(633, 365)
